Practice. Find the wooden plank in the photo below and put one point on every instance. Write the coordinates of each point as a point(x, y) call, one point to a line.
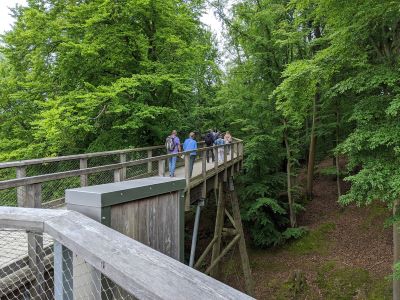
point(153, 221)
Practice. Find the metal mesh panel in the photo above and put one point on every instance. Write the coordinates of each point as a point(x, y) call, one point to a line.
point(101, 178)
point(35, 266)
point(8, 197)
point(53, 192)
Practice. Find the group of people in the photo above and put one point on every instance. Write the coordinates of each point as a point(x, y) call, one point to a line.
point(213, 137)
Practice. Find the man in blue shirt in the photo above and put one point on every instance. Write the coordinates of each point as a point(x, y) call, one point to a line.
point(190, 144)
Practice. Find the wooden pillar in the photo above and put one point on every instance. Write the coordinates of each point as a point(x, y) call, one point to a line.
point(63, 272)
point(204, 174)
point(83, 163)
point(117, 175)
point(242, 243)
point(216, 167)
point(219, 223)
point(225, 163)
point(35, 244)
point(161, 168)
point(187, 177)
point(149, 164)
point(21, 190)
point(122, 159)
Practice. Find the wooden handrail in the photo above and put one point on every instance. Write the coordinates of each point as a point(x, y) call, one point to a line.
point(140, 270)
point(12, 183)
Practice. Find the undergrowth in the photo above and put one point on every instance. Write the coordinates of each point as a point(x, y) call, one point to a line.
point(315, 241)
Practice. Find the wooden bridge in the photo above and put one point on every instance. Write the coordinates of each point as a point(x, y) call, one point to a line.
point(40, 183)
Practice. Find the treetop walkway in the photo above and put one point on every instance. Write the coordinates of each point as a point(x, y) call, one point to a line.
point(57, 253)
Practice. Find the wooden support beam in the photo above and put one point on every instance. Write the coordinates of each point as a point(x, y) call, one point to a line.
point(203, 256)
point(21, 191)
point(215, 262)
point(219, 223)
point(242, 243)
point(230, 218)
point(83, 164)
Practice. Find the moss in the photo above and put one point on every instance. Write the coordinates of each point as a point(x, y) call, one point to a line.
point(337, 282)
point(294, 288)
point(315, 241)
point(381, 289)
point(375, 211)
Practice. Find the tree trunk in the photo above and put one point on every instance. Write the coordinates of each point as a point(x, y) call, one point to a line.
point(339, 190)
point(312, 149)
point(396, 250)
point(289, 180)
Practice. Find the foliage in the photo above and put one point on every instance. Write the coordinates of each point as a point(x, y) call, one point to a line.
point(99, 75)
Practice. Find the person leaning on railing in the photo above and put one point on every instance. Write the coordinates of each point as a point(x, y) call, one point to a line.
point(191, 144)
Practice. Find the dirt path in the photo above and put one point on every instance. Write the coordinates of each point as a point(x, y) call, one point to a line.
point(347, 254)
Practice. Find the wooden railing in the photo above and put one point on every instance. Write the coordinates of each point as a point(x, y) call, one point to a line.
point(28, 190)
point(117, 264)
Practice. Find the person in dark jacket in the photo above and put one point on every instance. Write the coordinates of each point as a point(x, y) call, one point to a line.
point(209, 141)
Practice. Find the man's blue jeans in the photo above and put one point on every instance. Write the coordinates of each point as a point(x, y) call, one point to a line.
point(172, 165)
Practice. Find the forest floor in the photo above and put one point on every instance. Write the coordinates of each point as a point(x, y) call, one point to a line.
point(347, 253)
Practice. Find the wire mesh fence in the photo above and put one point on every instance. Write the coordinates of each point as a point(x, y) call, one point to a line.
point(35, 266)
point(53, 191)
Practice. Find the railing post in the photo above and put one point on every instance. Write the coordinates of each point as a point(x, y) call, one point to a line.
point(122, 159)
point(161, 168)
point(225, 147)
point(83, 163)
point(117, 175)
point(149, 164)
point(21, 190)
point(35, 243)
point(187, 177)
point(63, 272)
point(204, 173)
point(215, 149)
